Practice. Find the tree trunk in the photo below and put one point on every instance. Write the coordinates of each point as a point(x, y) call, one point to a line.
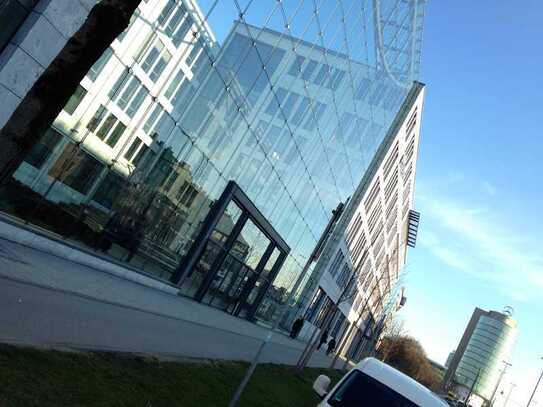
point(52, 90)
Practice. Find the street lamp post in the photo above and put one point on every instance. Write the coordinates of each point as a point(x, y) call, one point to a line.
point(535, 388)
point(506, 365)
point(509, 394)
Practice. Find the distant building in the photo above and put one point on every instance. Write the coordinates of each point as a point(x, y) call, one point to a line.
point(479, 359)
point(449, 359)
point(438, 369)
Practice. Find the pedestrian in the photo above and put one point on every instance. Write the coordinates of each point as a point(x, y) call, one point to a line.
point(296, 327)
point(331, 346)
point(324, 338)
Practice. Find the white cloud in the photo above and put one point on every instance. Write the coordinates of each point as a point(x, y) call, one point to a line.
point(489, 188)
point(447, 255)
point(472, 240)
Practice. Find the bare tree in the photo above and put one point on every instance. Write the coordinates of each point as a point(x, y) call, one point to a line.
point(52, 90)
point(394, 329)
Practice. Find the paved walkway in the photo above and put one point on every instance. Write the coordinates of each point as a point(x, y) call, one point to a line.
point(50, 301)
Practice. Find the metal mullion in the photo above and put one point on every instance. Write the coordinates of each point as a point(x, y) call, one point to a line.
point(248, 287)
point(328, 76)
point(280, 174)
point(335, 104)
point(311, 107)
point(210, 276)
point(197, 248)
point(351, 82)
point(276, 99)
point(262, 292)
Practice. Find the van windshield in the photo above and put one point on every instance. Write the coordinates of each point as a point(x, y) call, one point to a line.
point(361, 390)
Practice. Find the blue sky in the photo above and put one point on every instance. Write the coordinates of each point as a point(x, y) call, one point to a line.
point(479, 178)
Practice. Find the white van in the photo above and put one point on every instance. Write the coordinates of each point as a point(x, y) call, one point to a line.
point(372, 383)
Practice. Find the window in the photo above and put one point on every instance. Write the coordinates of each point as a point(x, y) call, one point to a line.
point(182, 97)
point(156, 60)
point(273, 106)
point(166, 12)
point(133, 148)
point(309, 69)
point(42, 150)
point(198, 46)
point(75, 99)
point(336, 265)
point(336, 79)
point(160, 66)
point(289, 104)
point(344, 277)
point(323, 312)
point(146, 159)
point(170, 180)
point(163, 127)
point(180, 35)
point(338, 327)
point(116, 134)
point(301, 112)
point(137, 101)
point(313, 119)
point(372, 196)
point(296, 66)
point(97, 118)
point(174, 22)
point(152, 56)
point(109, 130)
point(174, 84)
point(151, 119)
point(322, 75)
point(106, 126)
point(314, 305)
point(129, 93)
point(76, 168)
point(187, 194)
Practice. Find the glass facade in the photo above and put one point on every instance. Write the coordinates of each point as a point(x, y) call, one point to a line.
point(489, 346)
point(289, 100)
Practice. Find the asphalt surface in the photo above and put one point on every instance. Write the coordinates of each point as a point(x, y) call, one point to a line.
point(52, 302)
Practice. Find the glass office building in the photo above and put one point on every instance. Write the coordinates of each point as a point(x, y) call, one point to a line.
point(479, 360)
point(209, 145)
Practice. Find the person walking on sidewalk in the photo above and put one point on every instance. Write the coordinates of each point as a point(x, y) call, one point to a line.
point(324, 338)
point(296, 327)
point(331, 346)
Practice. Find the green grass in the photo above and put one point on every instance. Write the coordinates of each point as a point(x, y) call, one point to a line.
point(30, 377)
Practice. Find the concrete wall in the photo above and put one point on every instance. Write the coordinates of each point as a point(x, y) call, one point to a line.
point(38, 40)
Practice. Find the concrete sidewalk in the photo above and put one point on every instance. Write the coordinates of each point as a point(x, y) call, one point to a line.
point(47, 300)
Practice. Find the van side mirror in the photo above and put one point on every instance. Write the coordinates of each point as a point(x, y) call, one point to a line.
point(321, 385)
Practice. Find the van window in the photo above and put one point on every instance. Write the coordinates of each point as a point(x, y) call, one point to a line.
point(361, 390)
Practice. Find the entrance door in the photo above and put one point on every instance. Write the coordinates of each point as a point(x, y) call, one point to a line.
point(255, 291)
point(234, 258)
point(215, 248)
point(239, 269)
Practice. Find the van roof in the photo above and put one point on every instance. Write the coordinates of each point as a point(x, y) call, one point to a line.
point(400, 382)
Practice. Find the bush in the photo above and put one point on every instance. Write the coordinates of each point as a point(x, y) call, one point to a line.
point(408, 356)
